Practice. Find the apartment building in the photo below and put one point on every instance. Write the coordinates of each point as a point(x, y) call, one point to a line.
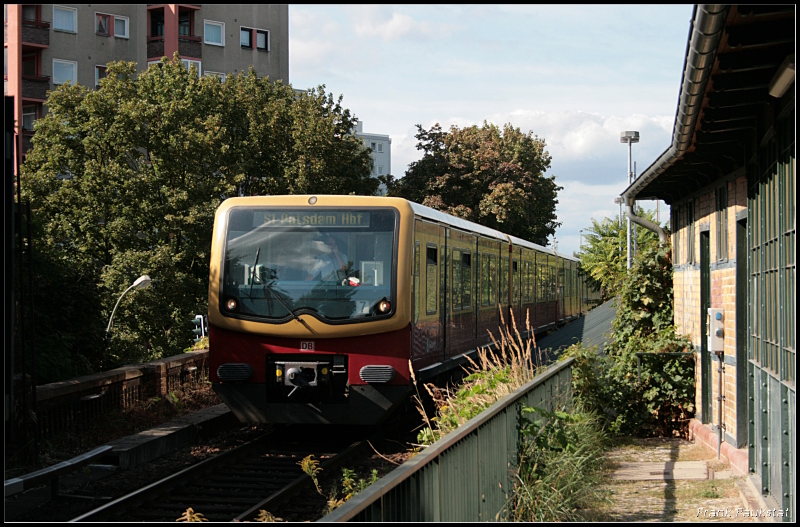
point(47, 45)
point(381, 146)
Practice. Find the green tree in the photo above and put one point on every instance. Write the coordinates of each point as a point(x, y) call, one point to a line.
point(604, 253)
point(125, 181)
point(488, 175)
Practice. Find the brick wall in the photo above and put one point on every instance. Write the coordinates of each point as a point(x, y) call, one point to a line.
point(686, 283)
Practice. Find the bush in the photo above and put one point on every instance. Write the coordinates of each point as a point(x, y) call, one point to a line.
point(641, 385)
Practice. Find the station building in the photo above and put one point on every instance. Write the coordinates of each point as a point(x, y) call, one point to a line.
point(47, 45)
point(729, 177)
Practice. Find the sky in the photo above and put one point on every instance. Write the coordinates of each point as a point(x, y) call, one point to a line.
point(575, 76)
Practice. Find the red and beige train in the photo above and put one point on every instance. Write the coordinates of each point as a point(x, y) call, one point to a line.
point(318, 305)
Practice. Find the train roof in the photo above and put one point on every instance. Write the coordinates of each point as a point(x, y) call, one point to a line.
point(459, 223)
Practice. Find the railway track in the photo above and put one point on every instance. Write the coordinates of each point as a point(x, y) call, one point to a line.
point(237, 484)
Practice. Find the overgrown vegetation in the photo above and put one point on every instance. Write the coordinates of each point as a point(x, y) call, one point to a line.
point(653, 395)
point(561, 465)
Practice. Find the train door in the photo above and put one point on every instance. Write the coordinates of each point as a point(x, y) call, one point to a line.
point(516, 288)
point(461, 335)
point(488, 318)
point(428, 333)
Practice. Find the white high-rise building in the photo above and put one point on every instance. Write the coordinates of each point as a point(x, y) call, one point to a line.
point(381, 146)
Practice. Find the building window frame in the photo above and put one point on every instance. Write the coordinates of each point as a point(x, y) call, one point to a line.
point(57, 80)
point(185, 22)
point(65, 10)
point(221, 25)
point(380, 147)
point(108, 31)
point(219, 75)
point(127, 28)
point(721, 198)
point(265, 34)
point(248, 32)
point(100, 72)
point(29, 115)
point(156, 26)
point(188, 64)
point(37, 13)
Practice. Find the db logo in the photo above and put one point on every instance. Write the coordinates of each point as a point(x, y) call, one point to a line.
point(307, 346)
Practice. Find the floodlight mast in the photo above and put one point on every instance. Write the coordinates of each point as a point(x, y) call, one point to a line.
point(629, 137)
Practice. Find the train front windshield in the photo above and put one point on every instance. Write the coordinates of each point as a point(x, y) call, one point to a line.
point(334, 264)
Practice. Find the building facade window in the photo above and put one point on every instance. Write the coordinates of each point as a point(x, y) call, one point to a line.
point(99, 73)
point(218, 75)
point(380, 147)
point(30, 63)
point(214, 33)
point(156, 22)
point(121, 26)
point(262, 40)
point(65, 19)
point(28, 118)
point(690, 233)
point(30, 13)
point(188, 64)
point(102, 24)
point(246, 37)
point(185, 22)
point(722, 222)
point(64, 70)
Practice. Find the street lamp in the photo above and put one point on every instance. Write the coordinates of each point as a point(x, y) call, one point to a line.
point(629, 137)
point(140, 283)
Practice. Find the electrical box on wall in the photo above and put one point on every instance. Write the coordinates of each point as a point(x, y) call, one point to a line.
point(716, 330)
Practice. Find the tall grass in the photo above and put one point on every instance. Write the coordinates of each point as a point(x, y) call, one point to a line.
point(490, 377)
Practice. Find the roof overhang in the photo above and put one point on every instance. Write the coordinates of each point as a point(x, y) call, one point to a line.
point(738, 59)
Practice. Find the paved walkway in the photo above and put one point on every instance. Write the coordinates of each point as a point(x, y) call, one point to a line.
point(674, 480)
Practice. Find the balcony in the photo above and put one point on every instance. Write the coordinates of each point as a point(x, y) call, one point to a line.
point(190, 47)
point(35, 87)
point(36, 33)
point(155, 48)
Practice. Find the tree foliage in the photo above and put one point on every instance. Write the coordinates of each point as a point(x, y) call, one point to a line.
point(125, 181)
point(604, 254)
point(488, 175)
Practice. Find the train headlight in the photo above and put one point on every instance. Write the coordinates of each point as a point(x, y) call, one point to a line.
point(231, 304)
point(384, 306)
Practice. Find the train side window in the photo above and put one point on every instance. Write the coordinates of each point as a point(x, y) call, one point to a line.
point(466, 279)
point(492, 279)
point(431, 279)
point(456, 298)
point(484, 279)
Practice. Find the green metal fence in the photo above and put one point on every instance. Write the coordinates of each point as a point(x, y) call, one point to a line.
point(469, 474)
